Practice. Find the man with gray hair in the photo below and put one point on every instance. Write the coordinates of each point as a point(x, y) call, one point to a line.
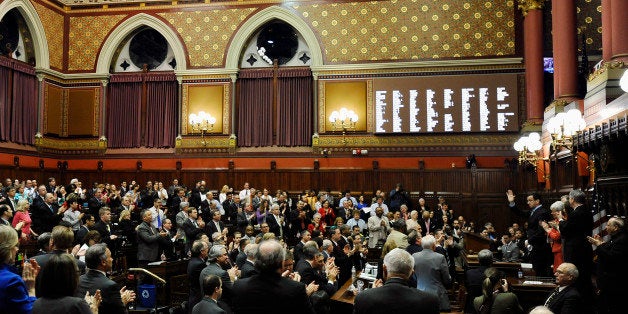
point(248, 268)
point(395, 296)
point(217, 261)
point(566, 299)
point(256, 294)
point(433, 271)
point(612, 271)
point(98, 261)
point(574, 232)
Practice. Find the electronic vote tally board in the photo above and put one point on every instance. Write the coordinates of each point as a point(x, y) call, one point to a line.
point(473, 103)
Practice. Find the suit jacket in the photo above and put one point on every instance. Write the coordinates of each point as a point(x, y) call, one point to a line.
point(309, 274)
point(566, 301)
point(395, 297)
point(210, 227)
point(474, 277)
point(504, 303)
point(274, 226)
point(67, 304)
point(80, 234)
point(247, 270)
point(94, 206)
point(207, 306)
point(105, 234)
point(536, 234)
point(574, 232)
point(147, 242)
point(44, 219)
point(612, 259)
point(424, 228)
point(111, 300)
point(255, 293)
point(191, 231)
point(227, 284)
point(433, 275)
point(195, 266)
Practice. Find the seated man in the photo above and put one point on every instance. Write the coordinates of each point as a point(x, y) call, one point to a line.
point(566, 299)
point(395, 296)
point(509, 249)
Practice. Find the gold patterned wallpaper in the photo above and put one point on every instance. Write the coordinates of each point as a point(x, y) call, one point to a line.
point(206, 34)
point(87, 34)
point(589, 14)
point(53, 26)
point(412, 29)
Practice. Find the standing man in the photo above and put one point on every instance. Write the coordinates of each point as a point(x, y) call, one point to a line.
point(541, 255)
point(199, 252)
point(158, 214)
point(103, 226)
point(95, 203)
point(275, 222)
point(574, 232)
point(148, 240)
point(612, 273)
point(218, 262)
point(432, 271)
point(395, 296)
point(245, 194)
point(212, 285)
point(378, 227)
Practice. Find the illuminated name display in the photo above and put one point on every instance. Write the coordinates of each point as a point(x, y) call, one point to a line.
point(446, 104)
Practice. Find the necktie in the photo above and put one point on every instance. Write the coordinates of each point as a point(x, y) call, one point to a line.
point(108, 228)
point(551, 297)
point(158, 221)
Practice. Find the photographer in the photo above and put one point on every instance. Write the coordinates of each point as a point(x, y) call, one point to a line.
point(495, 297)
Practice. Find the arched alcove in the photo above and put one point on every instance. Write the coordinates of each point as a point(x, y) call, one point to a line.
point(28, 12)
point(252, 25)
point(118, 36)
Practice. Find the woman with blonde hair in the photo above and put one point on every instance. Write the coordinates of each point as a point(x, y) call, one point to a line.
point(22, 215)
point(17, 294)
point(223, 193)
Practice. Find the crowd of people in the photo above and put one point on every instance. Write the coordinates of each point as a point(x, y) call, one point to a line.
point(249, 246)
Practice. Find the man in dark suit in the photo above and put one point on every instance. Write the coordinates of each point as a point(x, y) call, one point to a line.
point(103, 226)
point(114, 299)
point(395, 296)
point(541, 255)
point(215, 225)
point(88, 224)
point(148, 240)
point(576, 250)
point(565, 299)
point(209, 305)
point(310, 267)
point(475, 277)
point(192, 227)
point(199, 252)
point(340, 255)
point(10, 198)
point(47, 214)
point(95, 203)
point(427, 224)
point(248, 268)
point(612, 273)
point(253, 294)
point(275, 222)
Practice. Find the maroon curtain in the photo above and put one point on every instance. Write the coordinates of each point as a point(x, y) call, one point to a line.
point(123, 114)
point(161, 114)
point(18, 102)
point(124, 110)
point(5, 103)
point(294, 107)
point(255, 95)
point(24, 113)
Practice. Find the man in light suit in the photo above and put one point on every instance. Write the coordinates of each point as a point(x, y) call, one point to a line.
point(218, 259)
point(565, 299)
point(98, 261)
point(148, 240)
point(209, 305)
point(395, 296)
point(432, 272)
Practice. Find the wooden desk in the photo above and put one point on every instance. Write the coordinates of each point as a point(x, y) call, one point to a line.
point(343, 294)
point(530, 295)
point(167, 271)
point(474, 243)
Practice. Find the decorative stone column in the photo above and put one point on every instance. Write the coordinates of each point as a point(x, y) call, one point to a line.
point(564, 43)
point(532, 11)
point(619, 30)
point(607, 33)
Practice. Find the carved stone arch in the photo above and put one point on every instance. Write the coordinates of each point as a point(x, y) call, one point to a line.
point(40, 44)
point(118, 35)
point(253, 24)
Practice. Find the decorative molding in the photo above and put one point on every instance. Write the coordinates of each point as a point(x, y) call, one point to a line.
point(607, 66)
point(527, 5)
point(70, 146)
point(213, 144)
point(375, 142)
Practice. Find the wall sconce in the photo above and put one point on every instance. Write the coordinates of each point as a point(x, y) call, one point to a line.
point(202, 122)
point(528, 148)
point(623, 82)
point(563, 126)
point(343, 119)
point(16, 161)
point(138, 165)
